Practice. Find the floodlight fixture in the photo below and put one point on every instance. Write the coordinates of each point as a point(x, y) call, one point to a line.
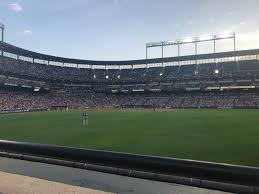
point(188, 40)
point(194, 40)
point(226, 34)
point(205, 37)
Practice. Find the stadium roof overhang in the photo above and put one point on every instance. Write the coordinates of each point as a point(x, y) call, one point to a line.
point(26, 53)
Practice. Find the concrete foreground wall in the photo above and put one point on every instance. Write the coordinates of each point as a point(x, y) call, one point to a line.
point(84, 181)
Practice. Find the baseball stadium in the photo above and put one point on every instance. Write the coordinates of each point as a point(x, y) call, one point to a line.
point(200, 107)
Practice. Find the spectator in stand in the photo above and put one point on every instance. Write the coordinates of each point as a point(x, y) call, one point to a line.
point(10, 100)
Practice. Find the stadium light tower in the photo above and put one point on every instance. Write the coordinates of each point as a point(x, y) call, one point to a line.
point(195, 41)
point(2, 27)
point(2, 37)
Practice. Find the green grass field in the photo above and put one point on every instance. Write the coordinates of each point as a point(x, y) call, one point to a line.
point(226, 136)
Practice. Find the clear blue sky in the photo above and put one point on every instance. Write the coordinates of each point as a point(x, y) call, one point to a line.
point(119, 29)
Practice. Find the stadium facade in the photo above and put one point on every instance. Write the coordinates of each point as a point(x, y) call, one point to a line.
point(212, 74)
point(195, 72)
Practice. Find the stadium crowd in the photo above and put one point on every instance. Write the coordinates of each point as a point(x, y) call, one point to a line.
point(72, 74)
point(10, 100)
point(27, 74)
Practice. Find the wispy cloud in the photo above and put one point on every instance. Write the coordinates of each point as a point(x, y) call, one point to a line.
point(212, 20)
point(192, 22)
point(16, 7)
point(232, 12)
point(117, 2)
point(242, 23)
point(27, 32)
point(248, 40)
point(232, 28)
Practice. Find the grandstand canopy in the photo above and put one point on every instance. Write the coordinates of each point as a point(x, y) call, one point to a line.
point(8, 48)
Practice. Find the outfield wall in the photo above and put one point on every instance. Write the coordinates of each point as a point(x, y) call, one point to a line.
point(230, 178)
point(21, 111)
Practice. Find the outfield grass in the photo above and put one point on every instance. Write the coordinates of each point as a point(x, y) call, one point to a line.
point(227, 136)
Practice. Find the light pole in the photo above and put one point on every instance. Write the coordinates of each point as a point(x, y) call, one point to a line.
point(2, 27)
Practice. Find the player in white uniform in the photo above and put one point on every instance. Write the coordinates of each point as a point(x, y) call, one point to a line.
point(85, 119)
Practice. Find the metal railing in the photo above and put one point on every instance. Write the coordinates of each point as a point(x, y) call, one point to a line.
point(223, 177)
